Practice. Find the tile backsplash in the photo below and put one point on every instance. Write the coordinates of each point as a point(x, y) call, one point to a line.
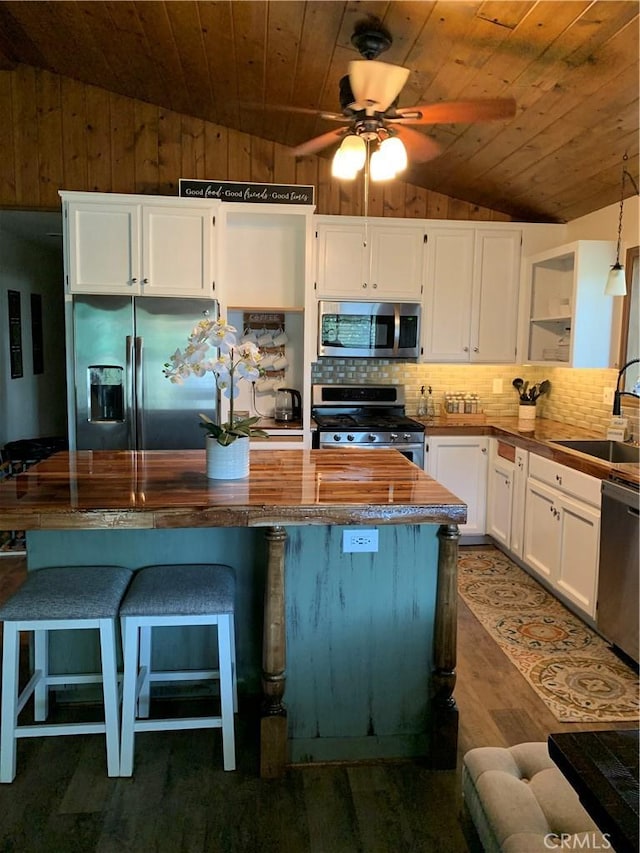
point(576, 396)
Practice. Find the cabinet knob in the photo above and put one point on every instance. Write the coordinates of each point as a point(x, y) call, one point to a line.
point(465, 349)
point(374, 285)
point(145, 281)
point(559, 479)
point(476, 349)
point(134, 280)
point(365, 284)
point(483, 450)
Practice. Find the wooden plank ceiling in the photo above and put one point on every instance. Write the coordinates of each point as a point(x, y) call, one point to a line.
point(572, 68)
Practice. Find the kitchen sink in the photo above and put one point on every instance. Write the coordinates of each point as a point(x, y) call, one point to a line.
point(610, 451)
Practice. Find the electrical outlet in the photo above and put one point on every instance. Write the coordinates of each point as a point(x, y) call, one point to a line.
point(359, 540)
point(607, 395)
point(497, 386)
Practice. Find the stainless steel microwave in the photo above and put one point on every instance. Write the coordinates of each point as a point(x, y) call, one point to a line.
point(369, 329)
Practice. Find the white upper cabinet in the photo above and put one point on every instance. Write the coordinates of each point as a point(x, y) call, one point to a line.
point(496, 285)
point(102, 247)
point(177, 256)
point(446, 318)
point(471, 299)
point(569, 320)
point(369, 260)
point(158, 246)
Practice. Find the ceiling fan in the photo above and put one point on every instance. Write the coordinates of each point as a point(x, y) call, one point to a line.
point(369, 101)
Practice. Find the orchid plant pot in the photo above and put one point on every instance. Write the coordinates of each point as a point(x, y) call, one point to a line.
point(227, 462)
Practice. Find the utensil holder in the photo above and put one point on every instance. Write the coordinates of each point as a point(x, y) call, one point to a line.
point(527, 416)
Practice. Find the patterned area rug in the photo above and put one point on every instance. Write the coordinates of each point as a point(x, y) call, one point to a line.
point(569, 666)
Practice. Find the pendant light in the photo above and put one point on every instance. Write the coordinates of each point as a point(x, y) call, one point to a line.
point(616, 282)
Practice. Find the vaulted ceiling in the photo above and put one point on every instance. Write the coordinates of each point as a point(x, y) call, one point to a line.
point(572, 68)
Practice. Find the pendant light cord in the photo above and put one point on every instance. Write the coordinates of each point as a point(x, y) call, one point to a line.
point(625, 174)
point(624, 171)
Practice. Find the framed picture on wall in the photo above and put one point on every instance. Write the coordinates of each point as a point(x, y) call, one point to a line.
point(37, 346)
point(15, 334)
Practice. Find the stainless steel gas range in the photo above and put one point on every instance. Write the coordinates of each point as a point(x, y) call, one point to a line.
point(369, 416)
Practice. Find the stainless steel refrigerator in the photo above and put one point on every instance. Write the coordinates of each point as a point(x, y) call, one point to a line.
point(122, 399)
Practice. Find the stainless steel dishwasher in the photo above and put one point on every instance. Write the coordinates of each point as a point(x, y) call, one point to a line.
point(617, 613)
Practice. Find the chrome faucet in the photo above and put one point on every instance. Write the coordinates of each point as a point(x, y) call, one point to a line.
point(618, 393)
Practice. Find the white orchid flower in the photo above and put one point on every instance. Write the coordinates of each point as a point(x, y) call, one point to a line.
point(232, 362)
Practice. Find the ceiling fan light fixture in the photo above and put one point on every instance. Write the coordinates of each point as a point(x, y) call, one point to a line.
point(375, 85)
point(394, 151)
point(354, 151)
point(342, 167)
point(381, 168)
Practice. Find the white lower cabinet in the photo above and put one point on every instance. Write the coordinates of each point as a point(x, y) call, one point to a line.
point(562, 531)
point(520, 474)
point(506, 489)
point(460, 464)
point(500, 499)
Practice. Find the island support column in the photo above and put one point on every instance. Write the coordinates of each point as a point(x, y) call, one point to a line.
point(273, 723)
point(444, 729)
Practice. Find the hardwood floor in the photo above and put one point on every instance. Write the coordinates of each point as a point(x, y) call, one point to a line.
point(181, 801)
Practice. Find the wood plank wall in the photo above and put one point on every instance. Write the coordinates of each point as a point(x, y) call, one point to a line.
point(57, 133)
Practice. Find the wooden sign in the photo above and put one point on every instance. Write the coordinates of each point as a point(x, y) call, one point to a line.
point(247, 192)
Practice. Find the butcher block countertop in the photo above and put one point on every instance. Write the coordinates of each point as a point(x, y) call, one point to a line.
point(540, 440)
point(169, 489)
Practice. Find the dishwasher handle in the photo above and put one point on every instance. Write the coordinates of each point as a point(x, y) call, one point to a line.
point(626, 495)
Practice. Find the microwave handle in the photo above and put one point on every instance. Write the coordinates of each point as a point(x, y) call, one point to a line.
point(396, 329)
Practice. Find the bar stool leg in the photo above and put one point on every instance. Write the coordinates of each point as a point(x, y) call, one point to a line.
point(226, 692)
point(41, 664)
point(144, 657)
point(232, 628)
point(130, 639)
point(9, 705)
point(110, 694)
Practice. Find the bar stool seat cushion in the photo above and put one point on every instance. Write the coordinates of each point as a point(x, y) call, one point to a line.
point(204, 589)
point(67, 592)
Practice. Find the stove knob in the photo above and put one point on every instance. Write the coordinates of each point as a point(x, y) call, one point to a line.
point(336, 437)
point(371, 437)
point(350, 437)
point(393, 436)
point(407, 436)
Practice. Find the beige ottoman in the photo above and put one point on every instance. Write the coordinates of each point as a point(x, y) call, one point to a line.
point(521, 803)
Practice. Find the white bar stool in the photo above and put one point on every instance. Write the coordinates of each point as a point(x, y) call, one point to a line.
point(177, 595)
point(56, 599)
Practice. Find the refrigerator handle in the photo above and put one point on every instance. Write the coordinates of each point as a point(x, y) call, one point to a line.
point(138, 394)
point(131, 441)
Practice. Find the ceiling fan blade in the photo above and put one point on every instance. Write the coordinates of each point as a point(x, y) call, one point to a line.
point(375, 85)
point(250, 105)
point(318, 143)
point(420, 148)
point(451, 112)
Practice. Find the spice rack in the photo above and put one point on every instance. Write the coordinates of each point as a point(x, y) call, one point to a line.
point(462, 408)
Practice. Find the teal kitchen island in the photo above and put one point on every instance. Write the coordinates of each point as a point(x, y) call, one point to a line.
point(354, 652)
